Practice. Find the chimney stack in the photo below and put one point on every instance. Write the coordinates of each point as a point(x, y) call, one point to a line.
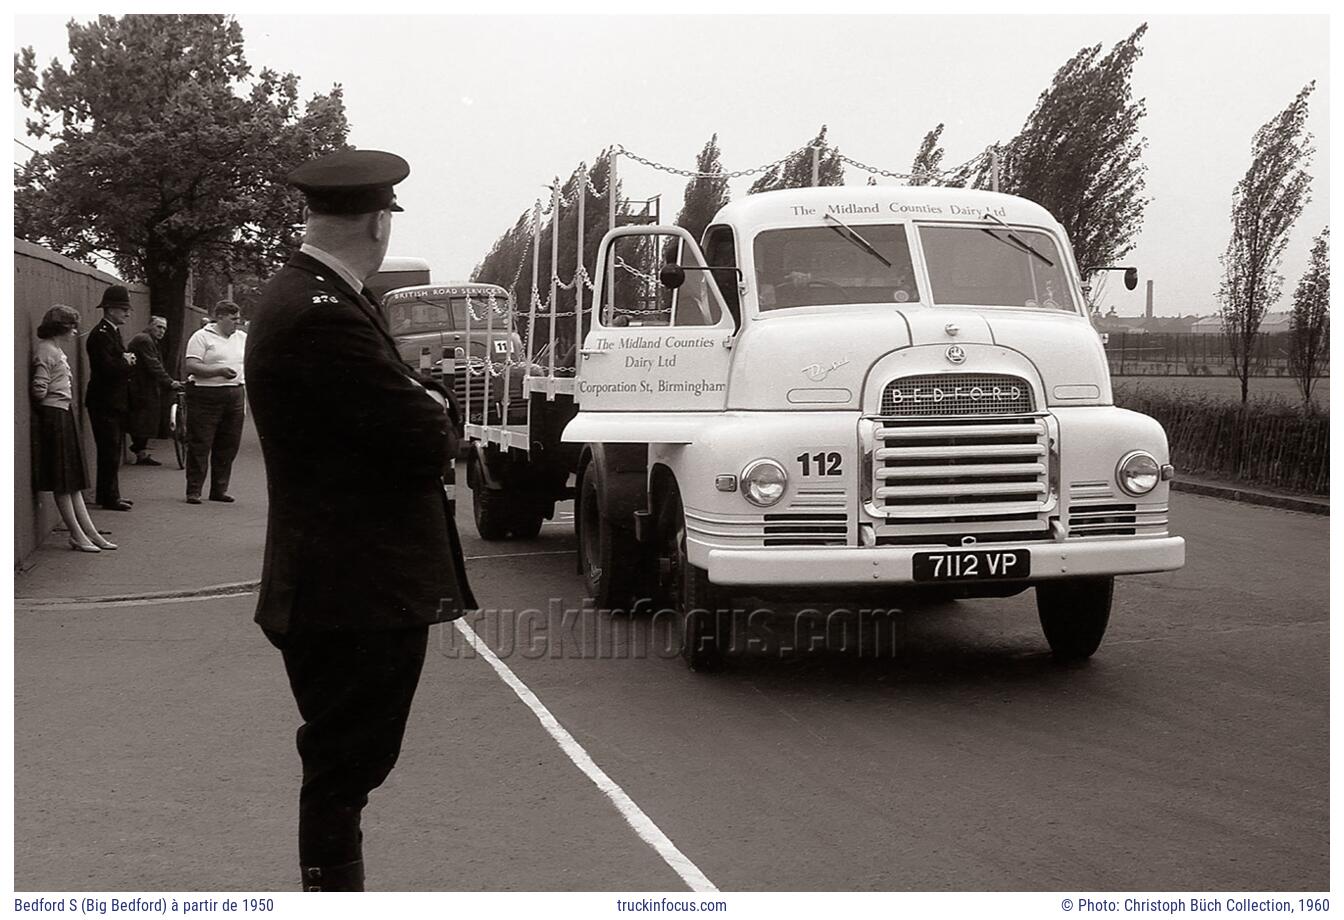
point(1149, 312)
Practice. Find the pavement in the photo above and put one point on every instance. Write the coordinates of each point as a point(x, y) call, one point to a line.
point(1252, 494)
point(167, 548)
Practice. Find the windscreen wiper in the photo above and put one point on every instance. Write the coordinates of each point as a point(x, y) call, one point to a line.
point(1015, 238)
point(853, 237)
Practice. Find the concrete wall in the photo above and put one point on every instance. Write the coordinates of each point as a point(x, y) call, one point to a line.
point(41, 279)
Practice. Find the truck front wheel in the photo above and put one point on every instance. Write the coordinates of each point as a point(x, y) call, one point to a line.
point(607, 573)
point(705, 621)
point(1074, 613)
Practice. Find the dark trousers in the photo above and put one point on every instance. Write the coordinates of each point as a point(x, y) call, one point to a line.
point(108, 441)
point(139, 444)
point(354, 691)
point(214, 430)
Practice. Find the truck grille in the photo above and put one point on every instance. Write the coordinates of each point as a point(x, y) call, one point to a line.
point(1116, 519)
point(940, 481)
point(928, 395)
point(806, 529)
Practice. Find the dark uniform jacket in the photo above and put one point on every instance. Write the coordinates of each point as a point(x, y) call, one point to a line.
point(358, 535)
point(148, 381)
point(109, 372)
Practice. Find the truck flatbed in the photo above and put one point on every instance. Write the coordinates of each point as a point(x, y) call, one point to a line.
point(505, 436)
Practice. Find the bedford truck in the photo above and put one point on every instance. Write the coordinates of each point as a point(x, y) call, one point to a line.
point(839, 390)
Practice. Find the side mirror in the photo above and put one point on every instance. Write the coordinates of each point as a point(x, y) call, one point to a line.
point(672, 275)
point(1131, 278)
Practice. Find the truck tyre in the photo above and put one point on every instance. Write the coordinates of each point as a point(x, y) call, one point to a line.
point(527, 521)
point(490, 509)
point(607, 574)
point(1074, 613)
point(705, 619)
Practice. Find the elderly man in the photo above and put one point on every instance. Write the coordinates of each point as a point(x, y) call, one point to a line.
point(214, 361)
point(148, 381)
point(361, 552)
point(107, 398)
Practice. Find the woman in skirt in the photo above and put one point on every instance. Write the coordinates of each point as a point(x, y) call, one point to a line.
point(58, 462)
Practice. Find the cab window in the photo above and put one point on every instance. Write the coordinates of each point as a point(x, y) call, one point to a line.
point(721, 253)
point(995, 266)
point(418, 314)
point(834, 264)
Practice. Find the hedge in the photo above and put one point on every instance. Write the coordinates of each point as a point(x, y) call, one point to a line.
point(1269, 442)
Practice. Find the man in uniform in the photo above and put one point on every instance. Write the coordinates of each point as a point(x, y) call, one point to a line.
point(108, 397)
point(361, 553)
point(148, 382)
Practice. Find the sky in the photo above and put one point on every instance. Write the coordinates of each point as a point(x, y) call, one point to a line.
point(488, 110)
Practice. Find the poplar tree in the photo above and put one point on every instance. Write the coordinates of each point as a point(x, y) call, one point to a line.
point(928, 160)
point(706, 193)
point(796, 170)
point(1079, 154)
point(1265, 205)
point(1309, 342)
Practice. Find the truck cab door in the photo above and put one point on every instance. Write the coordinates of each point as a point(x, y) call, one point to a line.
point(653, 347)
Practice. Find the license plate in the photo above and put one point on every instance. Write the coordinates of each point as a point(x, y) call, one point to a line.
point(972, 565)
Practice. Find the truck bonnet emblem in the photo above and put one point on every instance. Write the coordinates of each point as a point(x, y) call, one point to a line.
point(817, 373)
point(951, 328)
point(956, 354)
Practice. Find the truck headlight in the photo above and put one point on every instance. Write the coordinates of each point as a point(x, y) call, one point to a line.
point(763, 482)
point(1138, 472)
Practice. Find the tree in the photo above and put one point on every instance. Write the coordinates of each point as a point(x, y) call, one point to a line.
point(706, 193)
point(928, 159)
point(1265, 205)
point(1078, 154)
point(1310, 339)
point(509, 262)
point(166, 148)
point(796, 170)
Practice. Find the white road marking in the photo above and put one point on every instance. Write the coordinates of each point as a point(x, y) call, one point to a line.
point(551, 552)
point(632, 813)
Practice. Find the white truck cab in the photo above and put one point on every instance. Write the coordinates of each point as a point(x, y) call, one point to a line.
point(879, 388)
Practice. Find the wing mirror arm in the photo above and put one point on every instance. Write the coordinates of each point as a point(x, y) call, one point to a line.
point(673, 276)
point(1131, 274)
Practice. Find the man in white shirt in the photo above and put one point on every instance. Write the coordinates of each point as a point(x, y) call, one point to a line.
point(214, 363)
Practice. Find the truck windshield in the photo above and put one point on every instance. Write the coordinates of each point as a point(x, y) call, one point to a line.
point(431, 312)
point(807, 266)
point(982, 266)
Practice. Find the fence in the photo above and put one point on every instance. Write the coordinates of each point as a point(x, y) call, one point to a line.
point(1185, 354)
point(43, 278)
point(1276, 446)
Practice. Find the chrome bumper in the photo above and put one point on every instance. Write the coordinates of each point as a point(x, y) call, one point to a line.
point(877, 565)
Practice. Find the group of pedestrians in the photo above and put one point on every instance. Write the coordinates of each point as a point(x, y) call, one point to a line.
point(127, 383)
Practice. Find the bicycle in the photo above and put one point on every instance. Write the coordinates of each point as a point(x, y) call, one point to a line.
point(177, 426)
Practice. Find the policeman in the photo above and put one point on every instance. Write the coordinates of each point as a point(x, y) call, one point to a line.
point(362, 554)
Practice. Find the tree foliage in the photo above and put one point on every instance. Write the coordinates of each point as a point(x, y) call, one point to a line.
point(167, 150)
point(1310, 341)
point(1265, 205)
point(509, 262)
point(796, 170)
point(706, 193)
point(1078, 154)
point(928, 159)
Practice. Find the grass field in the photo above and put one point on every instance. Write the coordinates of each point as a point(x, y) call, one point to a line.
point(1229, 388)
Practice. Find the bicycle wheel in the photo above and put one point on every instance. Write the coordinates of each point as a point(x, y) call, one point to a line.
point(179, 429)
